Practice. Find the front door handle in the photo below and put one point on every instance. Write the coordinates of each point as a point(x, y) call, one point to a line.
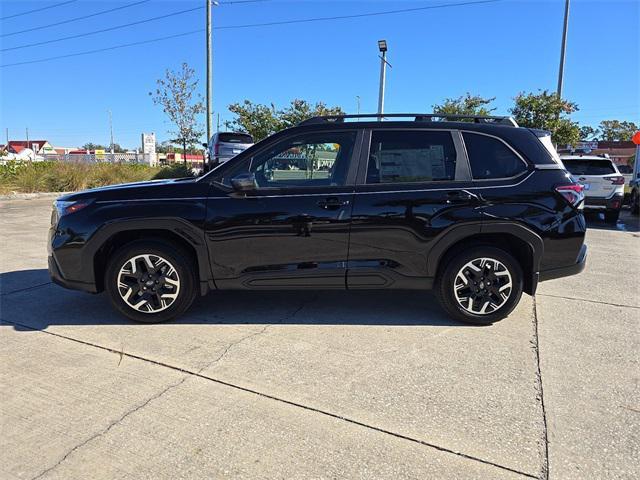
point(332, 203)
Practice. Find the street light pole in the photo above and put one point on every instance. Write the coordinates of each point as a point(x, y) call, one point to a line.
point(209, 69)
point(382, 46)
point(563, 48)
point(111, 130)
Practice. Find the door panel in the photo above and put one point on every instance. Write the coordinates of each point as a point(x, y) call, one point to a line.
point(293, 230)
point(395, 223)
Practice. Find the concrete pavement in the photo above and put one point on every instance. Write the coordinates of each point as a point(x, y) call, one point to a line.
point(319, 384)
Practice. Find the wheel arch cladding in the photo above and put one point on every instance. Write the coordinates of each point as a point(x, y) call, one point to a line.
point(179, 234)
point(523, 244)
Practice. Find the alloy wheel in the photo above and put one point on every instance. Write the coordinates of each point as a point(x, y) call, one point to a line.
point(483, 286)
point(148, 283)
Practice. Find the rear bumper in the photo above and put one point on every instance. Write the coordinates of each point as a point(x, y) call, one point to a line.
point(566, 271)
point(57, 278)
point(602, 203)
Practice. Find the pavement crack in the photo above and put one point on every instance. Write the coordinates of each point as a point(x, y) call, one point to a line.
point(587, 300)
point(255, 334)
point(110, 426)
point(268, 396)
point(544, 471)
point(26, 289)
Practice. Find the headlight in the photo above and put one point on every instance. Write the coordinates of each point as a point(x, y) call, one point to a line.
point(66, 207)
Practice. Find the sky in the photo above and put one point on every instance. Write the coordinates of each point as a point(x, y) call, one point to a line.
point(493, 49)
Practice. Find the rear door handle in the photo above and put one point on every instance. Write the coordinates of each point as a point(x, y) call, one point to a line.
point(332, 203)
point(460, 196)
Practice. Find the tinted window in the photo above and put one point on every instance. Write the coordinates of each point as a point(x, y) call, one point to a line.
point(491, 158)
point(235, 138)
point(315, 159)
point(589, 167)
point(411, 156)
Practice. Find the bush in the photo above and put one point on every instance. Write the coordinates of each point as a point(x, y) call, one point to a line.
point(30, 177)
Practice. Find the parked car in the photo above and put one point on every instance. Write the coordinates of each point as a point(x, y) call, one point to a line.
point(627, 172)
point(603, 183)
point(474, 207)
point(224, 146)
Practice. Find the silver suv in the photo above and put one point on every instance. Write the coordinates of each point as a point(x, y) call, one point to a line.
point(603, 183)
point(224, 146)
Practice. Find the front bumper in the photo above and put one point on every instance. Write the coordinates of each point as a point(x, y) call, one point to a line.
point(57, 278)
point(566, 271)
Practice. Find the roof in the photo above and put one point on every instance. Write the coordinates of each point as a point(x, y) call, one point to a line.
point(411, 117)
point(19, 145)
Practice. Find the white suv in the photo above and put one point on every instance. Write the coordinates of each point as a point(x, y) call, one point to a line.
point(603, 183)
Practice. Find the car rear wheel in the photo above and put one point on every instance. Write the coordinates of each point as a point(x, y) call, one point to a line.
point(635, 202)
point(150, 281)
point(611, 216)
point(480, 285)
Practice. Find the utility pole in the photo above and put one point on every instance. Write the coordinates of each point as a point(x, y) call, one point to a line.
point(358, 104)
point(563, 48)
point(382, 45)
point(27, 131)
point(111, 130)
point(209, 40)
point(6, 131)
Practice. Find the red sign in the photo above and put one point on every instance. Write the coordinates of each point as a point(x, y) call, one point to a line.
point(636, 138)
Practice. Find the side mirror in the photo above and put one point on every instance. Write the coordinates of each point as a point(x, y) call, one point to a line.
point(205, 145)
point(245, 182)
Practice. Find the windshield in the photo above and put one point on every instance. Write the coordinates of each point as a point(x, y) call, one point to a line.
point(235, 138)
point(589, 167)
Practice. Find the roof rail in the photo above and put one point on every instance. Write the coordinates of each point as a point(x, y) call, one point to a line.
point(417, 117)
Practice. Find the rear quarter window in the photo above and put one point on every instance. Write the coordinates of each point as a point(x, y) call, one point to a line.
point(490, 158)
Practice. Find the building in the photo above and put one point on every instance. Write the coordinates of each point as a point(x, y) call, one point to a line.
point(39, 147)
point(620, 152)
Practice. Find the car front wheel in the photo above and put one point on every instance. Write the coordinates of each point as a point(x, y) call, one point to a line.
point(480, 285)
point(150, 281)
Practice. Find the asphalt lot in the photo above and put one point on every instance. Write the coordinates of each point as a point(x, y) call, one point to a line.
point(319, 384)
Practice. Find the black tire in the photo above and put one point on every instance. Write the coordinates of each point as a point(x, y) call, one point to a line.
point(635, 202)
point(611, 216)
point(445, 284)
point(184, 273)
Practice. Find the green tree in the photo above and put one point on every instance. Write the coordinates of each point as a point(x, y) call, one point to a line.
point(547, 111)
point(256, 119)
point(94, 146)
point(465, 105)
point(261, 120)
point(617, 131)
point(176, 93)
point(588, 133)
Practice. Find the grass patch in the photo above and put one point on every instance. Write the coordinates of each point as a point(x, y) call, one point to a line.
point(32, 177)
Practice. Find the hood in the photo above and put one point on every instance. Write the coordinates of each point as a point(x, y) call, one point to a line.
point(134, 190)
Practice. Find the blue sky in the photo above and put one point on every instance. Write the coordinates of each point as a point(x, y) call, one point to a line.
point(492, 49)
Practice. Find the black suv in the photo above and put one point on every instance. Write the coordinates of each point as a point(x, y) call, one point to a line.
point(474, 207)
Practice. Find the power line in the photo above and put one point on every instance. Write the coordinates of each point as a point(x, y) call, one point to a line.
point(95, 32)
point(38, 9)
point(358, 15)
point(84, 17)
point(115, 47)
point(158, 39)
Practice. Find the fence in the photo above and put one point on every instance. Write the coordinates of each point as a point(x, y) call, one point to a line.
point(100, 157)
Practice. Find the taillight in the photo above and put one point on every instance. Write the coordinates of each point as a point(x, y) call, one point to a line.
point(617, 180)
point(216, 148)
point(572, 193)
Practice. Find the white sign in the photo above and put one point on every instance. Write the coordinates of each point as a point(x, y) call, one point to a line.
point(149, 147)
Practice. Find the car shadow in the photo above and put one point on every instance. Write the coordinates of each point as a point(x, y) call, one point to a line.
point(29, 301)
point(626, 223)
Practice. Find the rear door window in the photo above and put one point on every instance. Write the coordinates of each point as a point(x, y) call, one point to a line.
point(589, 167)
point(406, 156)
point(491, 158)
point(235, 138)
